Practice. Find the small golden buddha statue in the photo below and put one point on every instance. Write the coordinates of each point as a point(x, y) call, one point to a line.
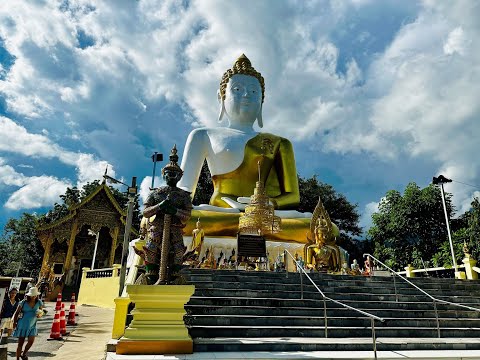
point(209, 262)
point(194, 250)
point(325, 252)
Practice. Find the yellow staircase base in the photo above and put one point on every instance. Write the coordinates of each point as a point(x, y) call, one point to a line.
point(157, 326)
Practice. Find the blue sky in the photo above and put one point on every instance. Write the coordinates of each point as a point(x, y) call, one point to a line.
point(373, 94)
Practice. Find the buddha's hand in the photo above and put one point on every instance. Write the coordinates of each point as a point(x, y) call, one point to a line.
point(234, 204)
point(241, 202)
point(167, 207)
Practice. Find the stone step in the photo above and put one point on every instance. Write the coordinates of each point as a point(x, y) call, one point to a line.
point(359, 296)
point(255, 311)
point(318, 303)
point(361, 282)
point(271, 344)
point(321, 276)
point(307, 286)
point(309, 321)
point(335, 332)
point(331, 311)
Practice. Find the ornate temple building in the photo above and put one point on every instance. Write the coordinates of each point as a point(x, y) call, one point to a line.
point(69, 243)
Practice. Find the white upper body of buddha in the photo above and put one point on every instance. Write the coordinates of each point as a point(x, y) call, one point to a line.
point(241, 97)
point(223, 147)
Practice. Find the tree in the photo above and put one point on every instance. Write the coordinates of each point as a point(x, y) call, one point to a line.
point(465, 230)
point(204, 190)
point(20, 247)
point(409, 228)
point(341, 211)
point(443, 257)
point(473, 230)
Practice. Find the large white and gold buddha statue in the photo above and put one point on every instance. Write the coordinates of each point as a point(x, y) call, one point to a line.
point(233, 152)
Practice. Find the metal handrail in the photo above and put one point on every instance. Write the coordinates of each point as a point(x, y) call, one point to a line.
point(434, 299)
point(325, 298)
point(423, 291)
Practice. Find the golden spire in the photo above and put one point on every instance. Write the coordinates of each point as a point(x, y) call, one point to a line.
point(259, 217)
point(173, 164)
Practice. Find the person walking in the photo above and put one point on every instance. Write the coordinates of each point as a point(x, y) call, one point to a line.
point(44, 288)
point(25, 321)
point(30, 284)
point(9, 306)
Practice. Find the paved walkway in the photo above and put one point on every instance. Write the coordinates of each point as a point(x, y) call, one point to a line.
point(87, 340)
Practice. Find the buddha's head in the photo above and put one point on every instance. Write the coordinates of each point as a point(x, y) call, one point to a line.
point(241, 94)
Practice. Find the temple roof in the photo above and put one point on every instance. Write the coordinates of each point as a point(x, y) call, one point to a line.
point(75, 208)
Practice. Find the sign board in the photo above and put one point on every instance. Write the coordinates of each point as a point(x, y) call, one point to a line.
point(251, 246)
point(15, 283)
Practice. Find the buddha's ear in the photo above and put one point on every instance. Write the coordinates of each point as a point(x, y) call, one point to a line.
point(259, 117)
point(222, 106)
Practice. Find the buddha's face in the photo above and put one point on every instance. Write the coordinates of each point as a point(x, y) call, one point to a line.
point(243, 99)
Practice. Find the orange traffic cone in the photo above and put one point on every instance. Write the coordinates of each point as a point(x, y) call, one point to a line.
point(71, 312)
point(58, 305)
point(63, 322)
point(55, 332)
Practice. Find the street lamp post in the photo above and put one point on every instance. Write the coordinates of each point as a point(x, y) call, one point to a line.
point(132, 191)
point(156, 157)
point(97, 235)
point(440, 180)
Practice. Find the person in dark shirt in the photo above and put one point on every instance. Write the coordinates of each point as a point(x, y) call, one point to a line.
point(8, 309)
point(44, 287)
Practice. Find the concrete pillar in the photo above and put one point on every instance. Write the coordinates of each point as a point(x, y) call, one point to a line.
point(114, 235)
point(116, 270)
point(71, 243)
point(469, 265)
point(120, 319)
point(409, 269)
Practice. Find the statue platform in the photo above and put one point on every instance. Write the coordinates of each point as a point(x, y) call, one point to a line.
point(157, 326)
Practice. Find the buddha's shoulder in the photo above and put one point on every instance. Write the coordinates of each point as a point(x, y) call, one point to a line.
point(208, 133)
point(273, 137)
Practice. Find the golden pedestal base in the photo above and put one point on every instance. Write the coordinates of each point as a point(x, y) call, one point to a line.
point(154, 347)
point(157, 326)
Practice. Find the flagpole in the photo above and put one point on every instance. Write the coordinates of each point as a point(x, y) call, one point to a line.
point(154, 166)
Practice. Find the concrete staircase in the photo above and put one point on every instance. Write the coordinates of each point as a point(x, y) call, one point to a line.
point(263, 311)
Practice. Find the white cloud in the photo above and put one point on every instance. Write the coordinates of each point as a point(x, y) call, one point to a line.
point(455, 42)
point(366, 217)
point(9, 176)
point(145, 186)
point(36, 192)
point(33, 192)
point(153, 66)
